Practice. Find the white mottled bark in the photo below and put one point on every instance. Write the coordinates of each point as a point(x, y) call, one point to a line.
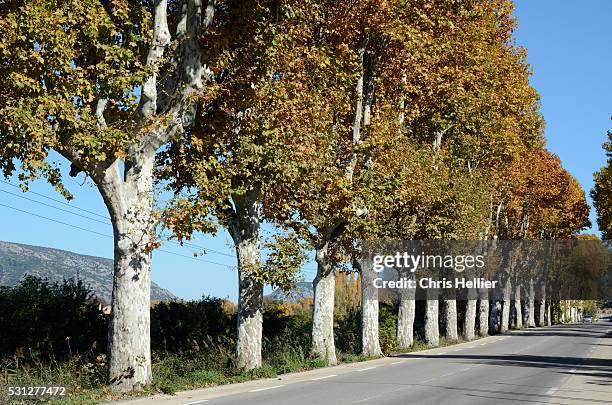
point(130, 204)
point(450, 319)
point(432, 329)
point(323, 345)
point(357, 119)
point(483, 313)
point(244, 228)
point(469, 323)
point(161, 39)
point(405, 319)
point(542, 307)
point(506, 304)
point(531, 302)
point(517, 307)
point(370, 343)
point(494, 316)
point(548, 313)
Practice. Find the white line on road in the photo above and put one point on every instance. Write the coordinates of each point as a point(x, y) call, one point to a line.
point(365, 369)
point(266, 388)
point(398, 362)
point(324, 377)
point(201, 401)
point(551, 390)
point(572, 370)
point(441, 353)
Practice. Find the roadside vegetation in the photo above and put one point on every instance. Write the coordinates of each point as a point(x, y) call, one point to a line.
point(332, 122)
point(59, 337)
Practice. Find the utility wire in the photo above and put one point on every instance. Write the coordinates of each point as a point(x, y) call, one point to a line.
point(57, 208)
point(56, 200)
point(109, 236)
point(107, 222)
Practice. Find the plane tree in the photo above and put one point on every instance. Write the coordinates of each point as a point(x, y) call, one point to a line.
point(602, 193)
point(276, 88)
point(105, 85)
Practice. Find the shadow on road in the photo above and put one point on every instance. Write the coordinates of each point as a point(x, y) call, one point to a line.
point(589, 365)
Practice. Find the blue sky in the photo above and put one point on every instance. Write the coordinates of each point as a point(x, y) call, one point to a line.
point(569, 50)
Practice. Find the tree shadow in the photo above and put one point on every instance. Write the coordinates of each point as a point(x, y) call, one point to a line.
point(591, 367)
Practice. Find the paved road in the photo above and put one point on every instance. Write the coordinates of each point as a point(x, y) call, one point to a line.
point(530, 366)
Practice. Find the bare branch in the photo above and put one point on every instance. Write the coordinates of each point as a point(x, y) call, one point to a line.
point(99, 112)
point(188, 77)
point(161, 39)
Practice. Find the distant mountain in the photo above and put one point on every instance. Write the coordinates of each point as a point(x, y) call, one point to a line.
point(16, 260)
point(302, 290)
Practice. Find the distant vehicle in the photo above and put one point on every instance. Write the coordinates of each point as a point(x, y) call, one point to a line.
point(588, 319)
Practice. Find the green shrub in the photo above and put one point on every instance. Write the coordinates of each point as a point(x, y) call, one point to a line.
point(50, 321)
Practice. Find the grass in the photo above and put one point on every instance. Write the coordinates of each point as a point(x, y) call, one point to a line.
point(171, 373)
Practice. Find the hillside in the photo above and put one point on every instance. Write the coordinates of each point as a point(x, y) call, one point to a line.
point(16, 260)
point(302, 290)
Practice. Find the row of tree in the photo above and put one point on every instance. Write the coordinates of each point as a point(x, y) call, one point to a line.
point(335, 121)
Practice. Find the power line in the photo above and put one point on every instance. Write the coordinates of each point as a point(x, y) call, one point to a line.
point(56, 221)
point(109, 236)
point(107, 222)
point(57, 208)
point(57, 200)
point(94, 213)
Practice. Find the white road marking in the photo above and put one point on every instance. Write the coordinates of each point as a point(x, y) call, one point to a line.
point(441, 353)
point(201, 401)
point(365, 369)
point(397, 362)
point(551, 390)
point(266, 388)
point(572, 370)
point(324, 377)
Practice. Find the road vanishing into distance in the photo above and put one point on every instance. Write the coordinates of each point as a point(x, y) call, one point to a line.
point(564, 364)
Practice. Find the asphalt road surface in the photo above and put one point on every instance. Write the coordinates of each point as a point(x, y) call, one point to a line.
point(529, 366)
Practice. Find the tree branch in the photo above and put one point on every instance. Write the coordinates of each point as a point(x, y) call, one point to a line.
point(161, 39)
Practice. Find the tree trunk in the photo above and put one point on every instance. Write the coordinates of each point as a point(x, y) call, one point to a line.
point(531, 312)
point(494, 316)
point(450, 317)
point(370, 343)
point(432, 331)
point(483, 313)
point(244, 229)
point(505, 316)
point(130, 204)
point(405, 319)
point(517, 307)
point(548, 313)
point(470, 319)
point(323, 346)
point(542, 307)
